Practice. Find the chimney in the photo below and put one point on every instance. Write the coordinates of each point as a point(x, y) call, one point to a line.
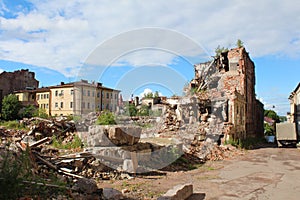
point(62, 83)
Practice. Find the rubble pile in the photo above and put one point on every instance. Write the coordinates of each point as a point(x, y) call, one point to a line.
point(171, 121)
point(210, 151)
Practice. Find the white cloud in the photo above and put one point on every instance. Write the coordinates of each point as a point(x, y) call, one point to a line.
point(1, 70)
point(147, 91)
point(61, 34)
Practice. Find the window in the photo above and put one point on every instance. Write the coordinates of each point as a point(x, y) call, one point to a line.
point(71, 104)
point(111, 95)
point(61, 93)
point(102, 94)
point(47, 106)
point(56, 93)
point(42, 96)
point(107, 95)
point(83, 92)
point(37, 97)
point(88, 93)
point(56, 105)
point(93, 94)
point(116, 96)
point(98, 94)
point(72, 92)
point(61, 104)
point(45, 96)
point(88, 105)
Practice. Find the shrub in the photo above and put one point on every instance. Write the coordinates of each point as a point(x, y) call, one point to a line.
point(27, 111)
point(10, 107)
point(13, 125)
point(106, 118)
point(74, 144)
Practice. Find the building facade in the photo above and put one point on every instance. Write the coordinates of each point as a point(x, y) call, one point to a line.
point(75, 98)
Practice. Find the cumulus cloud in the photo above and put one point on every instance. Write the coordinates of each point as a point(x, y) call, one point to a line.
point(147, 91)
point(61, 34)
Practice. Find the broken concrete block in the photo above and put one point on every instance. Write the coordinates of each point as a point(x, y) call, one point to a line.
point(124, 135)
point(179, 192)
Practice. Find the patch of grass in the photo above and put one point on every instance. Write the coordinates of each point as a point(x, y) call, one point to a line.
point(58, 143)
point(13, 125)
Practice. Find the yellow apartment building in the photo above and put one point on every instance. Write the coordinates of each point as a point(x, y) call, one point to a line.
point(75, 98)
point(43, 99)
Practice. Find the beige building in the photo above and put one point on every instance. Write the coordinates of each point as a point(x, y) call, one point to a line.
point(43, 99)
point(72, 98)
point(27, 97)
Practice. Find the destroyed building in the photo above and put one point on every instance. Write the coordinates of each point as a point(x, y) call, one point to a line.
point(228, 82)
point(17, 80)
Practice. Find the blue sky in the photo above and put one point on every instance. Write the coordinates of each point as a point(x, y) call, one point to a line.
point(61, 40)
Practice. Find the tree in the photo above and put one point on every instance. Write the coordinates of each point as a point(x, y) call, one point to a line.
point(156, 94)
point(220, 50)
point(148, 95)
point(239, 43)
point(130, 110)
point(144, 111)
point(10, 107)
point(27, 111)
point(272, 114)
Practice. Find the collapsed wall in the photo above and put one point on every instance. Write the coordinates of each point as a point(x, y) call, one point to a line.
point(221, 99)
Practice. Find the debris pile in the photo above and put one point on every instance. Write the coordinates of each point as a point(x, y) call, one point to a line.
point(207, 150)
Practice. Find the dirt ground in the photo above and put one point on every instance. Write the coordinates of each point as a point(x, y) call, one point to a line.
point(263, 173)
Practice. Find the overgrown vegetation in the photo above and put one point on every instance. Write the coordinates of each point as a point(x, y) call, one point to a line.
point(13, 125)
point(74, 144)
point(18, 181)
point(106, 118)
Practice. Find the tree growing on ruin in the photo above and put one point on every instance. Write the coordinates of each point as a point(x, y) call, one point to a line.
point(220, 50)
point(10, 107)
point(239, 43)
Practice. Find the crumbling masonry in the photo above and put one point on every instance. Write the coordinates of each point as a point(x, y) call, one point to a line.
point(228, 82)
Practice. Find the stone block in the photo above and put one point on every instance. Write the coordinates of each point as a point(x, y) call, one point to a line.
point(179, 192)
point(124, 135)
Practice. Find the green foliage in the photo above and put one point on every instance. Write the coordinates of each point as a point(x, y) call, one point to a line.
point(239, 43)
point(74, 144)
point(149, 95)
point(130, 110)
point(272, 114)
point(155, 113)
point(220, 50)
point(13, 125)
point(17, 179)
point(269, 129)
point(106, 118)
point(41, 113)
point(10, 107)
point(27, 111)
point(156, 94)
point(143, 111)
point(282, 118)
point(193, 91)
point(75, 118)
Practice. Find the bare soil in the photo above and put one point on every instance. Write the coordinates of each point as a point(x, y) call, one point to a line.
point(263, 173)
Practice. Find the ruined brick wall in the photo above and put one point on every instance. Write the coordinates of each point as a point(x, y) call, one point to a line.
point(17, 80)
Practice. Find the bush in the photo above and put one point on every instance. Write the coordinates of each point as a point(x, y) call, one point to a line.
point(10, 107)
point(41, 113)
point(106, 118)
point(27, 111)
point(143, 111)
